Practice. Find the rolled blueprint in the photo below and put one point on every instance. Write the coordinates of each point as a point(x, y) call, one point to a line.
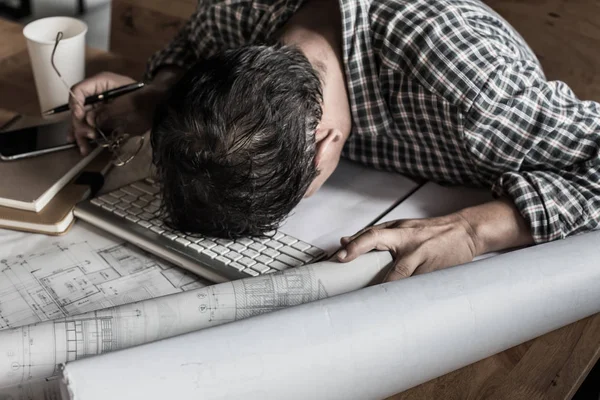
point(368, 344)
point(33, 352)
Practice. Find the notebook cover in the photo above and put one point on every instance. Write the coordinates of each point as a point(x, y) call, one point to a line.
point(25, 181)
point(59, 210)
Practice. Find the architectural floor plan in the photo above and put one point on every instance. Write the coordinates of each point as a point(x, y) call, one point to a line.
point(62, 277)
point(96, 299)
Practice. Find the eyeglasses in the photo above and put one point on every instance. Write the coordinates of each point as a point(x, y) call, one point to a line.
point(121, 145)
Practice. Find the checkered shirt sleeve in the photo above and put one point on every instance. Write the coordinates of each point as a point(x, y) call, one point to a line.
point(219, 25)
point(540, 145)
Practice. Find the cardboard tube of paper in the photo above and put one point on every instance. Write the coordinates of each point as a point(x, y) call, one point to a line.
point(69, 57)
point(368, 344)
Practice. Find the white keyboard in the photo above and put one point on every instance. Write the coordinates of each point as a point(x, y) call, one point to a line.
point(131, 213)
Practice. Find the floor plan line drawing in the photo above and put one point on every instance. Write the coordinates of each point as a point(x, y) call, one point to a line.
point(74, 299)
point(42, 346)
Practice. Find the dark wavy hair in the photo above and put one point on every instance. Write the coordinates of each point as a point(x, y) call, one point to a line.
point(234, 141)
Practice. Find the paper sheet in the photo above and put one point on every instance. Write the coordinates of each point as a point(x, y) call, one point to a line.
point(368, 344)
point(352, 198)
point(33, 352)
point(46, 278)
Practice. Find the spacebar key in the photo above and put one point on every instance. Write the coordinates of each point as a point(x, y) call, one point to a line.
point(291, 261)
point(296, 254)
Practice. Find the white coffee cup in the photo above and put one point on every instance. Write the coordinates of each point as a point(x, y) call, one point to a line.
point(69, 57)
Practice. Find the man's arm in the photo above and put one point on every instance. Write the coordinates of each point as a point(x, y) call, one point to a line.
point(539, 146)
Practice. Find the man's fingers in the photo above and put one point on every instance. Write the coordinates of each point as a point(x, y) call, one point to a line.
point(347, 239)
point(404, 266)
point(380, 239)
point(96, 84)
point(81, 131)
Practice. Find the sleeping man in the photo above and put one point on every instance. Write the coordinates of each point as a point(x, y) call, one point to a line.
point(253, 103)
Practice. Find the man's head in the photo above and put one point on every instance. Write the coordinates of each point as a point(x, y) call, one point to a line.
point(236, 144)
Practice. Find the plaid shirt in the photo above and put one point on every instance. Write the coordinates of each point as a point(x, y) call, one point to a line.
point(443, 90)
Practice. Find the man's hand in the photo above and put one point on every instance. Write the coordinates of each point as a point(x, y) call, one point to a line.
point(417, 245)
point(131, 113)
point(424, 245)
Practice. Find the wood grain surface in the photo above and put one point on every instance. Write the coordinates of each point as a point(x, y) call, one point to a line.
point(565, 34)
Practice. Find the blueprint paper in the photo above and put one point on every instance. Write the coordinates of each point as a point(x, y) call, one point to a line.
point(46, 278)
point(33, 352)
point(368, 344)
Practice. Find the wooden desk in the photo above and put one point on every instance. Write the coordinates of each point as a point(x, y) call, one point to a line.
point(549, 367)
point(17, 88)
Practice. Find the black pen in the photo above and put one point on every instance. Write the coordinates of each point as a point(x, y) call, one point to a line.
point(104, 96)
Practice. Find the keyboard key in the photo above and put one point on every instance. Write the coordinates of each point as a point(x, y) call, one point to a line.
point(128, 198)
point(260, 268)
point(122, 205)
point(97, 202)
point(132, 191)
point(245, 241)
point(151, 209)
point(234, 256)
point(155, 202)
point(290, 251)
point(211, 254)
point(278, 265)
point(108, 207)
point(107, 198)
point(133, 210)
point(225, 242)
point(118, 193)
point(145, 216)
point(220, 249)
point(157, 222)
point(271, 271)
point(147, 198)
point(287, 240)
point(146, 188)
point(246, 261)
point(223, 260)
point(194, 246)
point(277, 236)
point(250, 272)
point(183, 241)
point(291, 261)
point(143, 223)
point(263, 259)
point(315, 251)
point(300, 245)
point(271, 253)
point(237, 247)
point(132, 218)
point(151, 181)
point(257, 246)
point(169, 235)
point(120, 213)
point(207, 244)
point(140, 203)
point(157, 229)
point(237, 266)
point(274, 244)
point(250, 253)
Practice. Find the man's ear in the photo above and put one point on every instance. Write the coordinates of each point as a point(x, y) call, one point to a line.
point(325, 143)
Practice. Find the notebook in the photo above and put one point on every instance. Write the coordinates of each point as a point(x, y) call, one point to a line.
point(57, 217)
point(31, 183)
